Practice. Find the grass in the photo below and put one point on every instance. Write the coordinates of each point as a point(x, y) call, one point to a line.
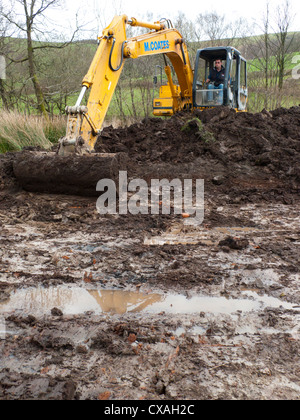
point(19, 130)
point(255, 65)
point(55, 128)
point(195, 125)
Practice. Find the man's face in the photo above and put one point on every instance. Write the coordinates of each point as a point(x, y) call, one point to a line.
point(218, 64)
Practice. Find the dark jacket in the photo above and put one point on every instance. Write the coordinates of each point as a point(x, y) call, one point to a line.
point(218, 77)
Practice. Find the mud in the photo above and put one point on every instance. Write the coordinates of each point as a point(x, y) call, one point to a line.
point(143, 306)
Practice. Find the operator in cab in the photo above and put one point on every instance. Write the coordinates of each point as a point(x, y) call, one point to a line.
point(216, 80)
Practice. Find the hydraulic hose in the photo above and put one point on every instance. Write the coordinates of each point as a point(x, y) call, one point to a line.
point(183, 54)
point(122, 56)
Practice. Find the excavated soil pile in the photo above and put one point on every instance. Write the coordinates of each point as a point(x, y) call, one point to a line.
point(228, 149)
point(266, 138)
point(238, 154)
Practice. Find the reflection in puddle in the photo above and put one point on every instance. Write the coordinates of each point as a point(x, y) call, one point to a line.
point(77, 300)
point(120, 302)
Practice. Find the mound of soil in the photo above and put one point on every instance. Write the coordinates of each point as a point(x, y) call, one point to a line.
point(218, 144)
point(237, 154)
point(7, 177)
point(266, 138)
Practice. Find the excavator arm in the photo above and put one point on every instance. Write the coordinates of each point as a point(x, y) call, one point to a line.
point(85, 122)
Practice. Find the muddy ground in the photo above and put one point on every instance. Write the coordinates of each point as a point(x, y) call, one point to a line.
point(137, 307)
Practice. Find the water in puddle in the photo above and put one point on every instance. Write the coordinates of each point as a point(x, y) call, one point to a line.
point(77, 300)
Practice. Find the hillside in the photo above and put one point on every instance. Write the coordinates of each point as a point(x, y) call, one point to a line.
point(60, 71)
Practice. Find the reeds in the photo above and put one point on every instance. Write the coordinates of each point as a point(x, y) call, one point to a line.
point(19, 130)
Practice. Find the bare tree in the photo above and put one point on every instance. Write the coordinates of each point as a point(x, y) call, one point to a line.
point(270, 55)
point(3, 49)
point(260, 49)
point(34, 12)
point(283, 41)
point(214, 26)
point(266, 42)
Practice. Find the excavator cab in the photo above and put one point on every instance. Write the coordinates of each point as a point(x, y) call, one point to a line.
point(234, 92)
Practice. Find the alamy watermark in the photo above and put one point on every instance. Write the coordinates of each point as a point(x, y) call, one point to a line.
point(158, 197)
point(296, 69)
point(2, 67)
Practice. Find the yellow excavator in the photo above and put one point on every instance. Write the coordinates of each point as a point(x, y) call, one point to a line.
point(191, 91)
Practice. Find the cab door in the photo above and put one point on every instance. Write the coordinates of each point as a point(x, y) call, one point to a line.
point(242, 85)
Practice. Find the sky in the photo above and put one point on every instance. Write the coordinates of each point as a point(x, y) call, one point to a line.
point(233, 9)
point(96, 14)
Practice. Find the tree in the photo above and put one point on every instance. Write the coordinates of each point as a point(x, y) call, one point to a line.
point(260, 49)
point(3, 49)
point(283, 41)
point(215, 27)
point(212, 28)
point(270, 55)
point(187, 29)
point(33, 13)
point(62, 85)
point(32, 10)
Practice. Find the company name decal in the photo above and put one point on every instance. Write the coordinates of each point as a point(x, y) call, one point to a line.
point(157, 45)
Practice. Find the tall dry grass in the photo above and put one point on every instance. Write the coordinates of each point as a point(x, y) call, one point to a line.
point(19, 130)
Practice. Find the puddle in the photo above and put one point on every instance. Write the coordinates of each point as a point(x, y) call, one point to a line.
point(77, 300)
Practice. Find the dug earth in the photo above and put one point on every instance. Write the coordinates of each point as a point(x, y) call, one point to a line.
point(119, 307)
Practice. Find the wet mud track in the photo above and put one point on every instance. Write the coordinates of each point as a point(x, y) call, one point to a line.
point(144, 307)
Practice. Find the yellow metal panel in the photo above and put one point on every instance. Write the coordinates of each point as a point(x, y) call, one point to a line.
point(102, 79)
point(107, 65)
